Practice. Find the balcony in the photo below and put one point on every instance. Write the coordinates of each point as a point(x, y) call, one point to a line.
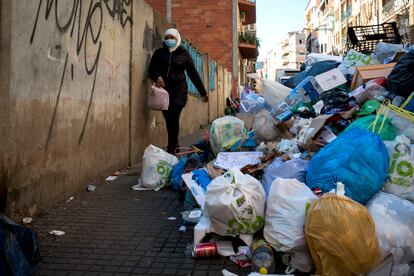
point(247, 11)
point(248, 45)
point(346, 14)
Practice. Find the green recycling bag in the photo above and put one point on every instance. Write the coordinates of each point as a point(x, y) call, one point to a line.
point(386, 130)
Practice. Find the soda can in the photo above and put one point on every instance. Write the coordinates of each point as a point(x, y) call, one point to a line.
point(203, 250)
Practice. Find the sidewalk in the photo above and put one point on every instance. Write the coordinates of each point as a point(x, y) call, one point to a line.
point(118, 231)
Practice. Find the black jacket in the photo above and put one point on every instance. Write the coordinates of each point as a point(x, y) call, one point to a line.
point(171, 66)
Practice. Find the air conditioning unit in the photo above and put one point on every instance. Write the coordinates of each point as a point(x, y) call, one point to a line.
point(242, 17)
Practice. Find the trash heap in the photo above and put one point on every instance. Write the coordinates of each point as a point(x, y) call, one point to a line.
point(315, 175)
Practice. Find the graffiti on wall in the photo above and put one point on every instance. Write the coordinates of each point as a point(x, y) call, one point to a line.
point(85, 25)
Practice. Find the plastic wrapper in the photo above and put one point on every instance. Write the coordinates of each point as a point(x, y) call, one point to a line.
point(394, 221)
point(265, 127)
point(368, 91)
point(252, 103)
point(386, 52)
point(227, 134)
point(341, 236)
point(295, 168)
point(274, 92)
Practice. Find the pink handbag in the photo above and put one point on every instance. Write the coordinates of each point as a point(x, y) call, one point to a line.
point(159, 99)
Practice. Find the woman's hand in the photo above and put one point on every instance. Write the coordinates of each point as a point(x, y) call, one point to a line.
point(160, 82)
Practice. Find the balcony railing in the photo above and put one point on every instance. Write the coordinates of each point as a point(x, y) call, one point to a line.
point(247, 37)
point(346, 14)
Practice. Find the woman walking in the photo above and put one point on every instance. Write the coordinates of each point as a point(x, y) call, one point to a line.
point(166, 69)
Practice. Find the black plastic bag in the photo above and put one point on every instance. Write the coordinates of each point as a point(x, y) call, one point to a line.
point(316, 69)
point(401, 78)
point(19, 249)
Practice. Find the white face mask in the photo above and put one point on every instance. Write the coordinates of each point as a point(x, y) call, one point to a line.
point(170, 43)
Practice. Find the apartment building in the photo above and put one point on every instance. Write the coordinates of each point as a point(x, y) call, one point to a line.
point(224, 29)
point(289, 53)
point(327, 21)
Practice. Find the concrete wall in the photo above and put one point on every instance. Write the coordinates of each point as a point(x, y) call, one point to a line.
point(73, 89)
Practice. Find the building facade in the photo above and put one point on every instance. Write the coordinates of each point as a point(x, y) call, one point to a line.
point(327, 21)
point(224, 29)
point(289, 53)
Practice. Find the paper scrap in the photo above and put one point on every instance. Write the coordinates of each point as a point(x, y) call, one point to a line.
point(229, 160)
point(228, 273)
point(172, 218)
point(327, 135)
point(27, 220)
point(57, 233)
point(111, 178)
point(70, 199)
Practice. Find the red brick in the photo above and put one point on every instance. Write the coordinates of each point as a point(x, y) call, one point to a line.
point(193, 16)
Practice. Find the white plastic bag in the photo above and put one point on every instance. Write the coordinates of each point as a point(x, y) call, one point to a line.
point(394, 225)
point(157, 168)
point(265, 127)
point(302, 261)
point(274, 92)
point(401, 172)
point(235, 204)
point(226, 133)
point(285, 215)
point(404, 126)
point(354, 59)
point(289, 147)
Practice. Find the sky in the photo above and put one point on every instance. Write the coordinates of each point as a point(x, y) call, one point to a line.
point(275, 18)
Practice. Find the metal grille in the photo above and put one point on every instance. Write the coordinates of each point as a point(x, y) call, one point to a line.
point(364, 39)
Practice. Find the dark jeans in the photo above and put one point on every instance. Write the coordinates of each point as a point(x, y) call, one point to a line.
point(172, 119)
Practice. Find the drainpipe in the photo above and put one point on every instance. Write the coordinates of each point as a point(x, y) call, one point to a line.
point(378, 12)
point(235, 41)
point(169, 19)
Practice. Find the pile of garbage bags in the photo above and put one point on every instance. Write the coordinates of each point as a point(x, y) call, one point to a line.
point(321, 167)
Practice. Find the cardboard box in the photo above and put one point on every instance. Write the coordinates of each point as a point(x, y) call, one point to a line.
point(363, 74)
point(309, 89)
point(330, 79)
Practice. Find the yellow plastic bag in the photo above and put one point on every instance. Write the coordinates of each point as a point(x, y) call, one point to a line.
point(341, 236)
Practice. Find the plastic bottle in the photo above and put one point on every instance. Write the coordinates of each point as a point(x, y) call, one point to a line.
point(263, 260)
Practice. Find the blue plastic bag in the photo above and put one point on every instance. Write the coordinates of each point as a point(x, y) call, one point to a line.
point(176, 173)
point(357, 158)
point(202, 178)
point(19, 249)
point(292, 169)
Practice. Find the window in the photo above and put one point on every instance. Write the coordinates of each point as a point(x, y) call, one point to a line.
point(300, 41)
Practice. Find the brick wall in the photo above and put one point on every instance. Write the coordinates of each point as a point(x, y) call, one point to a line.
point(207, 24)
